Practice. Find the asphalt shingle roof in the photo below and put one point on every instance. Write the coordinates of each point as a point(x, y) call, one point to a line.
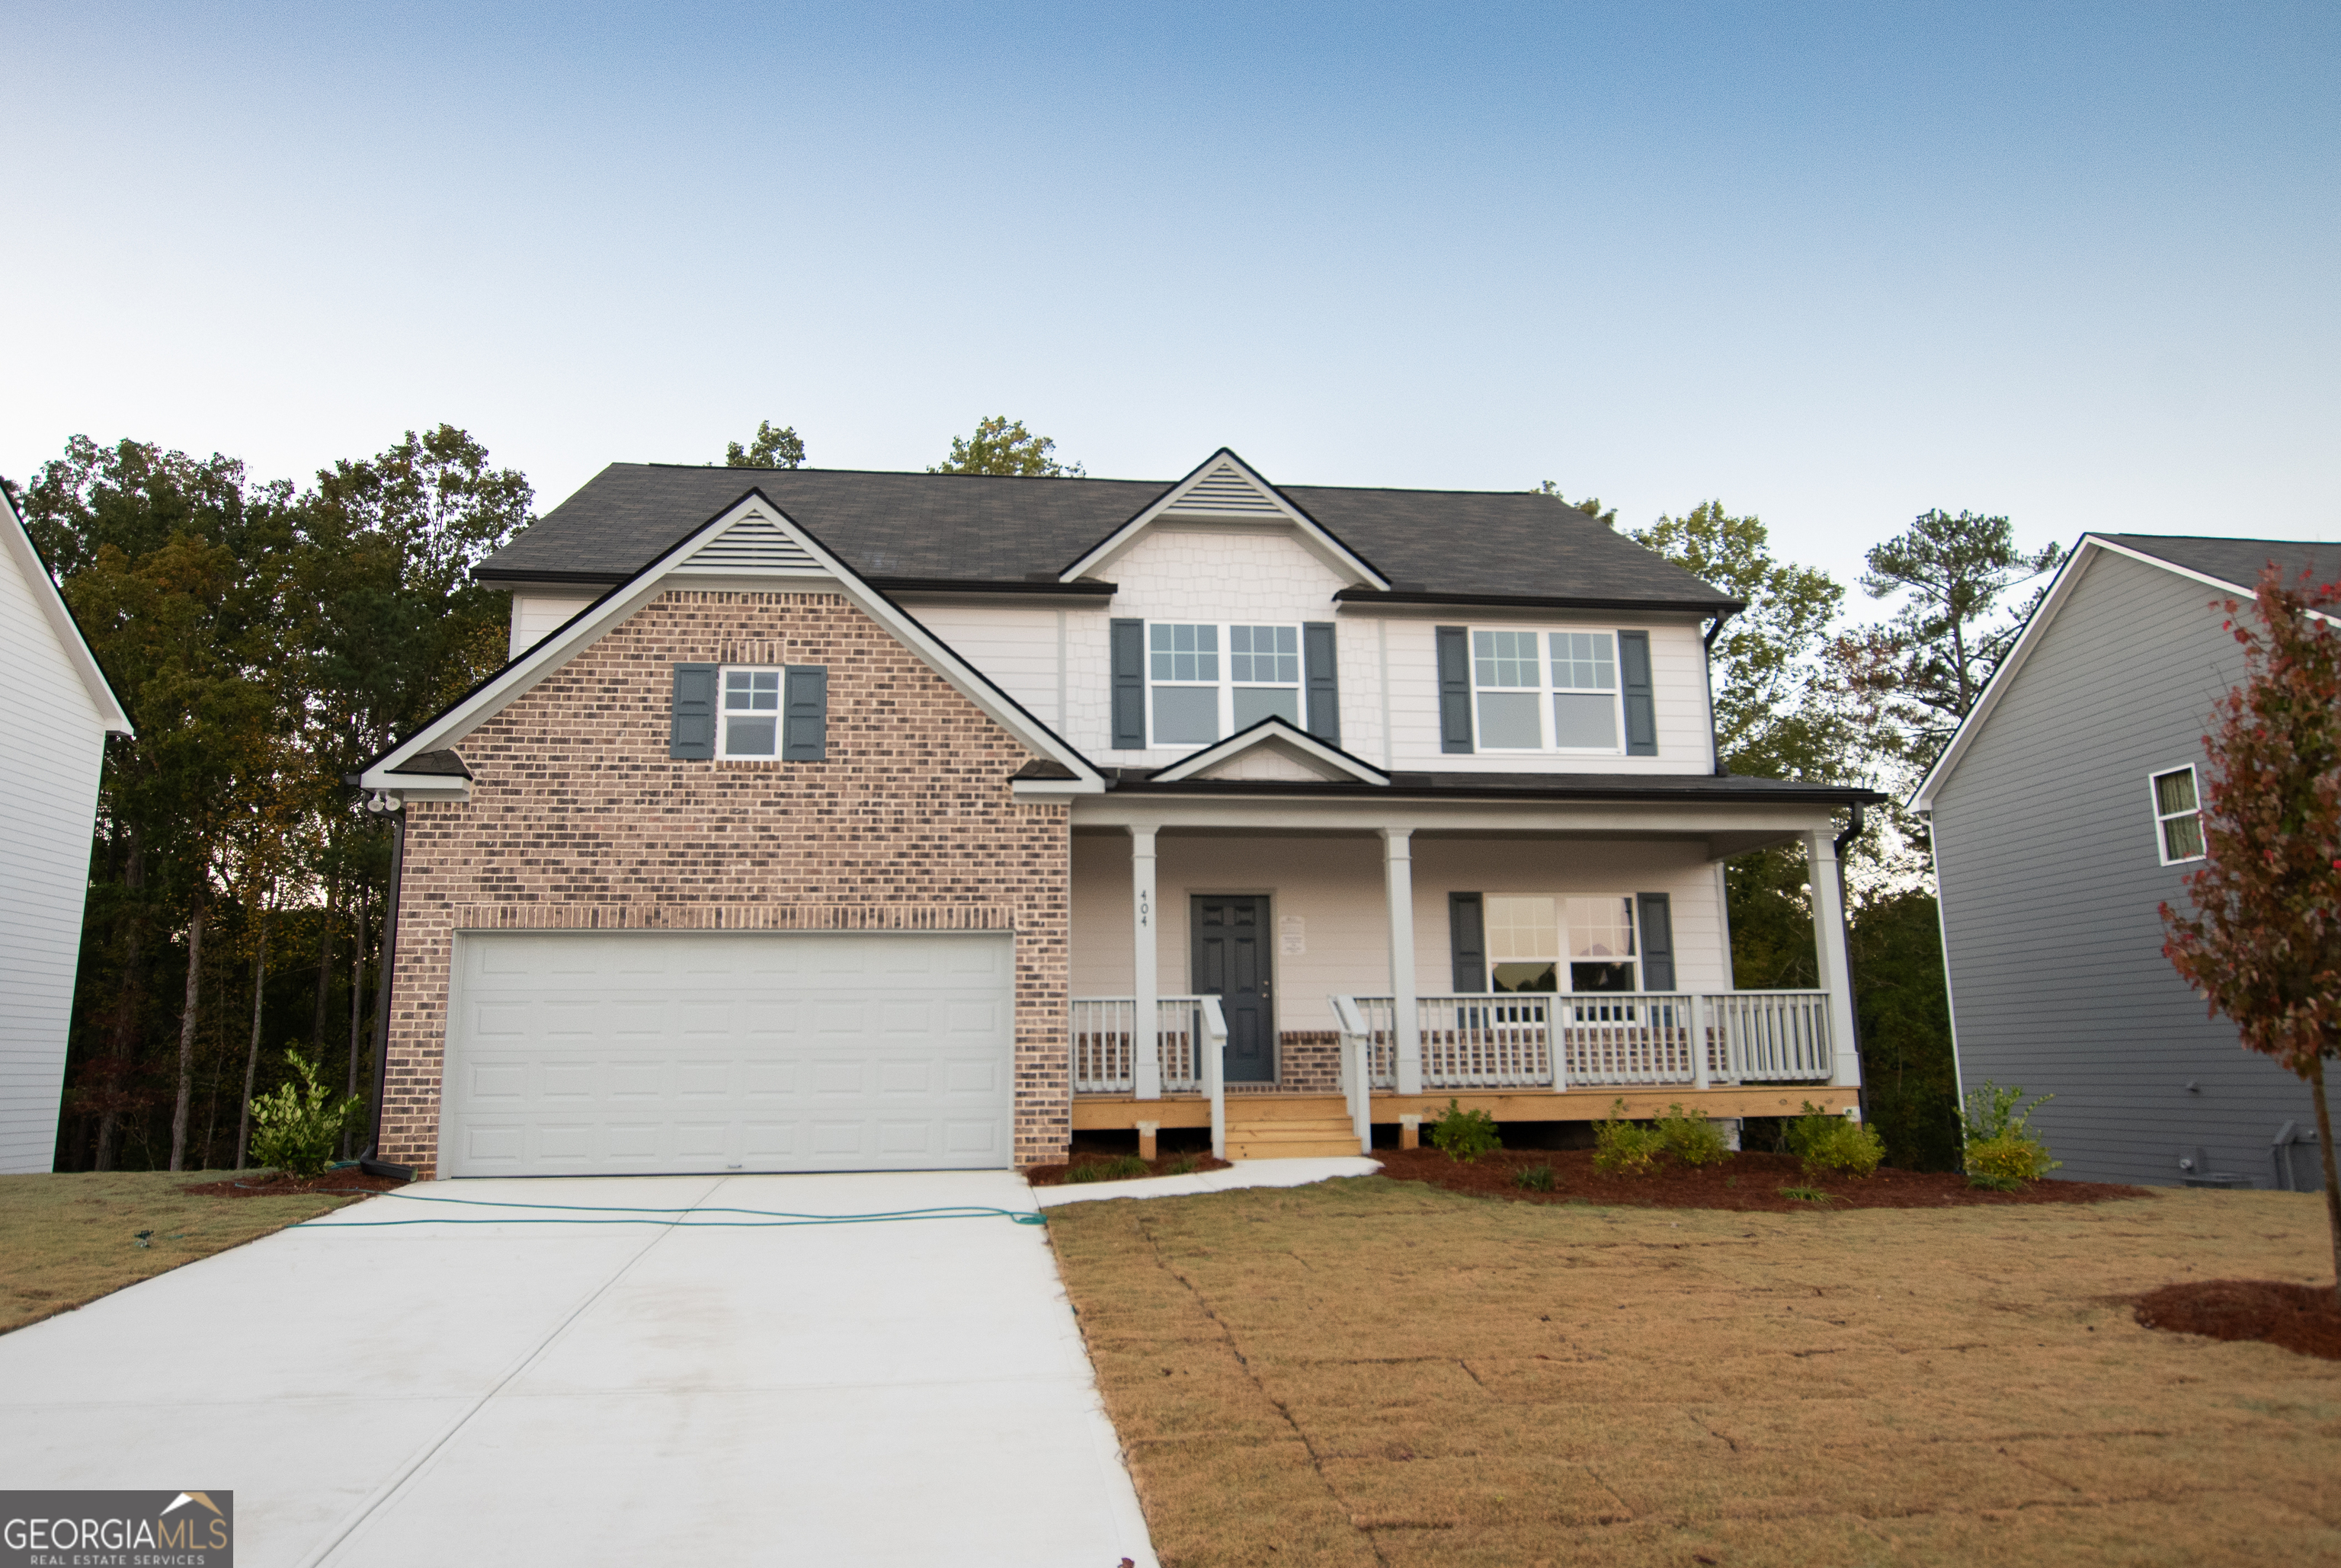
point(2237, 561)
point(977, 528)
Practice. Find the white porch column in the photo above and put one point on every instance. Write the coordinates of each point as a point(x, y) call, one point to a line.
point(1146, 1052)
point(1398, 864)
point(1828, 941)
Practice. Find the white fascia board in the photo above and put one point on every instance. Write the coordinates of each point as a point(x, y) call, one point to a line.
point(1054, 789)
point(62, 625)
point(517, 679)
point(1922, 799)
point(422, 785)
point(1273, 730)
point(1338, 554)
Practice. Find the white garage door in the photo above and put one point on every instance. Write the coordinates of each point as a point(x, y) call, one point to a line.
point(583, 1052)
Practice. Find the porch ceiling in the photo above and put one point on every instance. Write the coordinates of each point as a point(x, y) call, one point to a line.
point(1723, 828)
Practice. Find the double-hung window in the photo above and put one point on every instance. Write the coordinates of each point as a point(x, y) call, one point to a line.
point(1545, 691)
point(752, 713)
point(1209, 680)
point(2178, 816)
point(1534, 944)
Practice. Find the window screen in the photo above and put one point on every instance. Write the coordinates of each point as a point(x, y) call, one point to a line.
point(2177, 815)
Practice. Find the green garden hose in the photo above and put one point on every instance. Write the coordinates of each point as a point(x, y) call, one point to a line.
point(765, 1219)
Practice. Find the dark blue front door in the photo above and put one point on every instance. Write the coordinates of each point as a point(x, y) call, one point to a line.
point(1231, 964)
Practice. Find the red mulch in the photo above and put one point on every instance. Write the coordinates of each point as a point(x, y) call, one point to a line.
point(2299, 1317)
point(1057, 1175)
point(276, 1183)
point(1745, 1181)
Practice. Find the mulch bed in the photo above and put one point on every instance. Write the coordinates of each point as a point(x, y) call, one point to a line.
point(1745, 1181)
point(2298, 1317)
point(1058, 1176)
point(276, 1183)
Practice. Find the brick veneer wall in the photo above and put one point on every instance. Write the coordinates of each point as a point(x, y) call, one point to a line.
point(1308, 1061)
point(578, 819)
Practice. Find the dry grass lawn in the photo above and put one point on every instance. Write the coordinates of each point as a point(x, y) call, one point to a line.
point(68, 1239)
point(1369, 1371)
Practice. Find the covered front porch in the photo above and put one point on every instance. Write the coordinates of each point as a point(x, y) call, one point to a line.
point(1579, 953)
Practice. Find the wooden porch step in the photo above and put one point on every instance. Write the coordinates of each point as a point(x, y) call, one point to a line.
point(1289, 1136)
point(1254, 1108)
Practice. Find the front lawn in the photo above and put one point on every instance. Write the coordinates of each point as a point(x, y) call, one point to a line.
point(68, 1239)
point(1373, 1371)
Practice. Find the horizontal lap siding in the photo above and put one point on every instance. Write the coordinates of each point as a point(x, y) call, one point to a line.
point(49, 776)
point(1336, 885)
point(2045, 836)
point(579, 820)
point(1015, 649)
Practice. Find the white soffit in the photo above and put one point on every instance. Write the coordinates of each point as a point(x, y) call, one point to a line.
point(1226, 490)
point(517, 679)
point(1329, 763)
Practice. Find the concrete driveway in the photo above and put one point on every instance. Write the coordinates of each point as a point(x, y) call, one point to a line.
point(380, 1395)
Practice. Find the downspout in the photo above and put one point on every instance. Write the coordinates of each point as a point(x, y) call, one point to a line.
point(1706, 673)
point(382, 806)
point(1845, 919)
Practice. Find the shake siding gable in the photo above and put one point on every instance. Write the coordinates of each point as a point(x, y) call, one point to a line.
point(52, 744)
point(579, 820)
point(2044, 843)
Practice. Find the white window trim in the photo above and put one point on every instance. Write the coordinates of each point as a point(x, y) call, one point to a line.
point(1227, 682)
point(2162, 818)
point(1545, 691)
point(1562, 976)
point(724, 712)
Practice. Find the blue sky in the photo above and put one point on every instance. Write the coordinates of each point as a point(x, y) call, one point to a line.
point(1833, 265)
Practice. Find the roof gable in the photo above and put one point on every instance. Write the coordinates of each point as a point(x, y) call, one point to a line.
point(59, 618)
point(751, 527)
point(1226, 491)
point(2228, 565)
point(1274, 750)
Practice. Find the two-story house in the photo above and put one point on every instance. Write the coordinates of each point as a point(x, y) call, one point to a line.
point(2065, 814)
point(840, 820)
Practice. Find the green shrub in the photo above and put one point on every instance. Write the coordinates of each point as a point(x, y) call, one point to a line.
point(1534, 1178)
point(1823, 1142)
point(1694, 1140)
point(1621, 1147)
point(1805, 1194)
point(2002, 1150)
point(1184, 1165)
point(1464, 1135)
point(294, 1130)
point(1121, 1167)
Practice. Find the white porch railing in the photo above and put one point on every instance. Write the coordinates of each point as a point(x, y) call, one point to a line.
point(1104, 1062)
point(1622, 1039)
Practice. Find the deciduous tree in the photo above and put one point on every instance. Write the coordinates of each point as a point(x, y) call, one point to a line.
point(1003, 446)
point(769, 449)
point(2263, 943)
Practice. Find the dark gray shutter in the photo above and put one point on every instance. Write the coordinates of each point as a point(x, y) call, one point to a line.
point(1641, 715)
point(1467, 936)
point(1321, 677)
point(1454, 688)
point(1657, 940)
point(691, 729)
point(804, 713)
point(1129, 686)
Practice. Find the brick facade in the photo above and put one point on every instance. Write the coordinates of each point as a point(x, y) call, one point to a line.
point(578, 819)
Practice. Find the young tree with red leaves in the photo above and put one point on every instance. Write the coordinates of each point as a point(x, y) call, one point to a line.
point(2264, 944)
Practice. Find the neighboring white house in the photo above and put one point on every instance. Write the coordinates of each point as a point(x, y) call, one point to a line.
point(56, 712)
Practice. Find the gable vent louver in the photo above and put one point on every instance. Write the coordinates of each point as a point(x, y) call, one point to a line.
point(1225, 492)
point(754, 544)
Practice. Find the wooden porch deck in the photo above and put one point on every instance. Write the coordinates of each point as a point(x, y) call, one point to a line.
point(1101, 1113)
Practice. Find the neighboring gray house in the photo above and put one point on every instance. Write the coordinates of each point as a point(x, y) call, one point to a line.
point(2063, 815)
point(56, 712)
